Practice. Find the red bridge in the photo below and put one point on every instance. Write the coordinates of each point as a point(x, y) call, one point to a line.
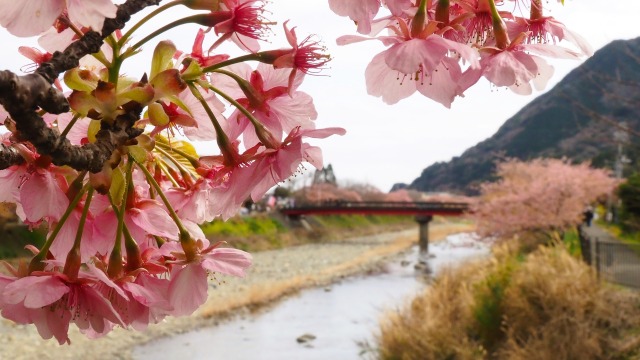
point(377, 208)
point(423, 211)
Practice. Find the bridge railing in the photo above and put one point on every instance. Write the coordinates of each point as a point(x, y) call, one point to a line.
point(377, 207)
point(389, 204)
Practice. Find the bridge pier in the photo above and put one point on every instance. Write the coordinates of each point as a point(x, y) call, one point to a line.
point(423, 237)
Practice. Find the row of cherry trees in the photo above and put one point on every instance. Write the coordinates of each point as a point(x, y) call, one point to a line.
point(93, 152)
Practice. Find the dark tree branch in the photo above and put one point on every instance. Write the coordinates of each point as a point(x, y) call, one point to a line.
point(21, 96)
point(9, 156)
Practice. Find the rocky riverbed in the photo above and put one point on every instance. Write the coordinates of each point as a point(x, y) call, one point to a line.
point(274, 274)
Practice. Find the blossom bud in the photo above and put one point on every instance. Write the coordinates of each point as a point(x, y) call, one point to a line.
point(81, 80)
point(81, 102)
point(162, 57)
point(167, 83)
point(192, 70)
point(189, 246)
point(72, 264)
point(157, 116)
point(101, 181)
point(146, 142)
point(266, 137)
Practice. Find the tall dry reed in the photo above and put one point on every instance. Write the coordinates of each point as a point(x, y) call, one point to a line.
point(546, 305)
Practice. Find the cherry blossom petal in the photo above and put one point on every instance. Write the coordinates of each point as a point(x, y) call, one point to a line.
point(227, 261)
point(360, 11)
point(91, 13)
point(188, 289)
point(29, 17)
point(313, 155)
point(34, 291)
point(442, 84)
point(11, 178)
point(154, 219)
point(41, 197)
point(386, 83)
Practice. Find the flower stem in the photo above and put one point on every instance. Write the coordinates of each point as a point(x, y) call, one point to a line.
point(263, 134)
point(442, 13)
point(259, 56)
point(499, 27)
point(156, 186)
point(195, 162)
point(114, 269)
point(536, 10)
point(223, 141)
point(36, 263)
point(183, 170)
point(166, 171)
point(419, 19)
point(73, 121)
point(74, 259)
point(150, 16)
point(233, 101)
point(133, 251)
point(189, 19)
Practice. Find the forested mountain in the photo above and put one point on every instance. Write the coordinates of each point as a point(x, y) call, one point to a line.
point(576, 119)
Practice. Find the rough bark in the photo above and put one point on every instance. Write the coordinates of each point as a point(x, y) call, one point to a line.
point(23, 96)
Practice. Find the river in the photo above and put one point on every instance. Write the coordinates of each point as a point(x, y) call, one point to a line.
point(338, 319)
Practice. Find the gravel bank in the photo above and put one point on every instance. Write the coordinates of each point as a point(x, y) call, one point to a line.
point(274, 274)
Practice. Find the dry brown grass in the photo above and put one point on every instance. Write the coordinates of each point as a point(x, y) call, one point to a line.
point(545, 306)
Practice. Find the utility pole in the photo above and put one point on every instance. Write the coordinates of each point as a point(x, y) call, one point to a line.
point(621, 138)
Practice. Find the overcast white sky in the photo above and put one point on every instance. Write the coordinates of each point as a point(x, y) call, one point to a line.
point(388, 144)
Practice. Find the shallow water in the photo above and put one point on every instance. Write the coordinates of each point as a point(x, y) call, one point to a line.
point(341, 317)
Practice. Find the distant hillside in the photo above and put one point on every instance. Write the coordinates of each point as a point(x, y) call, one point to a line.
point(575, 119)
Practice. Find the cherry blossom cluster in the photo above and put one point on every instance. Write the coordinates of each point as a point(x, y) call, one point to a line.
point(539, 196)
point(440, 48)
point(124, 248)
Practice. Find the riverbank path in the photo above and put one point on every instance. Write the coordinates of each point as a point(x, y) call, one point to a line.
point(615, 260)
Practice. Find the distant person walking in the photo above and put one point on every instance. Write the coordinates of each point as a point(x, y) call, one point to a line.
point(588, 216)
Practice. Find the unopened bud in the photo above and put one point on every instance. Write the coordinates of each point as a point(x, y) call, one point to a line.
point(101, 181)
point(157, 116)
point(167, 83)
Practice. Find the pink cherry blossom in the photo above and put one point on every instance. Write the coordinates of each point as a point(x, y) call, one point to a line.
point(276, 106)
point(516, 67)
point(36, 186)
point(148, 301)
point(193, 202)
point(188, 288)
point(197, 53)
point(51, 300)
point(78, 134)
point(441, 85)
point(422, 63)
point(548, 30)
point(32, 17)
point(139, 296)
point(3, 115)
point(307, 56)
point(270, 167)
point(91, 243)
point(143, 217)
point(245, 25)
